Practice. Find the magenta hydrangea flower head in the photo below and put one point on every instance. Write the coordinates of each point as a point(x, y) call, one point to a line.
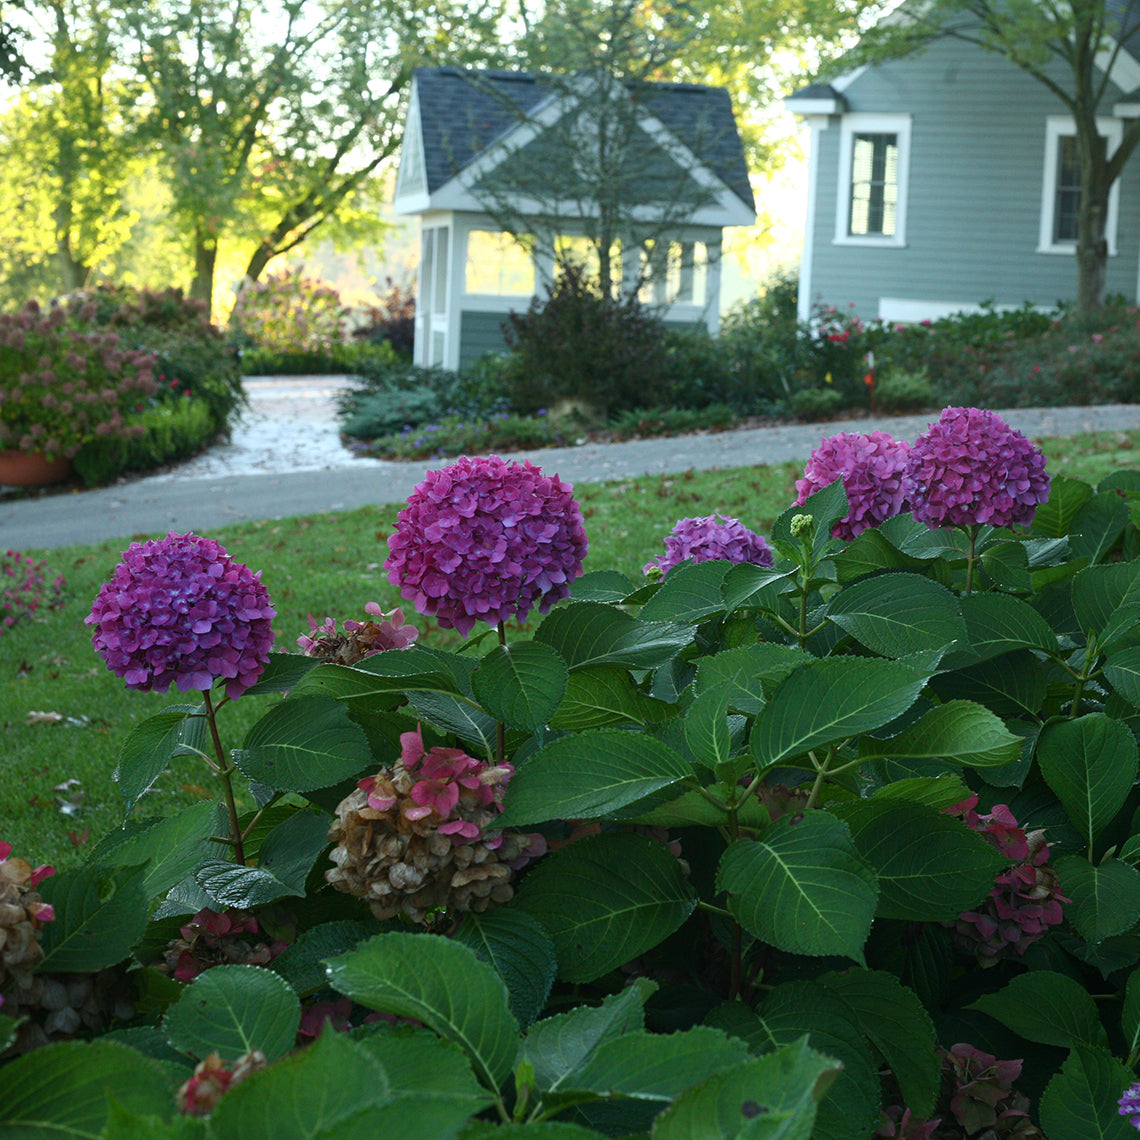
point(709, 538)
point(972, 467)
point(484, 540)
point(872, 467)
point(1130, 1104)
point(180, 610)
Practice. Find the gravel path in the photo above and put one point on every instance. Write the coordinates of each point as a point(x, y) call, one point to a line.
point(286, 459)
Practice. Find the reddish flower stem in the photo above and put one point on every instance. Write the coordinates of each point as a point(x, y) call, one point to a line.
point(225, 770)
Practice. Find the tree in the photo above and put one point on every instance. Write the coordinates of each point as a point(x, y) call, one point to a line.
point(595, 166)
point(66, 149)
point(268, 136)
point(1069, 46)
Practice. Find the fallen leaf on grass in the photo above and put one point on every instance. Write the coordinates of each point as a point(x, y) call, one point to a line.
point(37, 717)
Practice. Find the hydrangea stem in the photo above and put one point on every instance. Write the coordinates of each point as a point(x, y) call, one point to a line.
point(500, 728)
point(971, 556)
point(225, 771)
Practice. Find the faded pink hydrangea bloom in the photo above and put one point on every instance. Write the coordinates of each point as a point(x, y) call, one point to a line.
point(359, 639)
point(872, 467)
point(1026, 898)
point(972, 467)
point(485, 540)
point(710, 538)
point(180, 609)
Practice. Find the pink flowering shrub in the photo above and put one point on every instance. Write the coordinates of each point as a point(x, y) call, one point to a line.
point(23, 589)
point(180, 609)
point(872, 467)
point(485, 540)
point(972, 467)
point(710, 538)
point(1025, 900)
point(64, 387)
point(289, 312)
point(359, 639)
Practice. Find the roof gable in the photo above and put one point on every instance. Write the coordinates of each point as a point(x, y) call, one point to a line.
point(469, 119)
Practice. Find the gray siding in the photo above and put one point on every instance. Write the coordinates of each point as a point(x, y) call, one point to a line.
point(976, 160)
point(480, 332)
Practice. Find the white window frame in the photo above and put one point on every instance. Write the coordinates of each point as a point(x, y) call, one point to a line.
point(1057, 127)
point(861, 123)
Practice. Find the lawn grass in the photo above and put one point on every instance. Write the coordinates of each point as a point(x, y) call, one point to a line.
point(325, 564)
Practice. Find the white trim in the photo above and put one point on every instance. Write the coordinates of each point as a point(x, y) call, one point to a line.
point(844, 81)
point(1126, 110)
point(863, 123)
point(907, 310)
point(412, 164)
point(1056, 127)
point(820, 106)
point(818, 124)
point(1125, 72)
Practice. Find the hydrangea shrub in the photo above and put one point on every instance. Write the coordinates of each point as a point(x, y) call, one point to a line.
point(852, 836)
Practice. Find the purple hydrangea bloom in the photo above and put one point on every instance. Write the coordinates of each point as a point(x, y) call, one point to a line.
point(872, 467)
point(972, 467)
point(483, 540)
point(1130, 1104)
point(180, 609)
point(703, 540)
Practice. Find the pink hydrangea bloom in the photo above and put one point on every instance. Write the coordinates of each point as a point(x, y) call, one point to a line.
point(486, 540)
point(706, 539)
point(180, 609)
point(872, 467)
point(972, 467)
point(1026, 898)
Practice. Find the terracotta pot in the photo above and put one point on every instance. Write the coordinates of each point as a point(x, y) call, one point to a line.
point(32, 469)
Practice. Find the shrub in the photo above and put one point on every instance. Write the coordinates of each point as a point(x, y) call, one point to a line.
point(392, 322)
point(818, 403)
point(288, 312)
point(578, 344)
point(898, 391)
point(24, 587)
point(831, 836)
point(167, 433)
point(62, 386)
point(457, 435)
point(642, 422)
point(342, 357)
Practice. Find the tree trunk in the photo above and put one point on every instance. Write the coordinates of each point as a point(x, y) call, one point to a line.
point(205, 255)
point(1092, 220)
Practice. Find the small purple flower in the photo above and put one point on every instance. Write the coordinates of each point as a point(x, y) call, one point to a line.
point(706, 539)
point(872, 468)
point(180, 609)
point(1130, 1104)
point(972, 467)
point(484, 540)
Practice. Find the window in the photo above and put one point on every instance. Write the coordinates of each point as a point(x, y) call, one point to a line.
point(498, 265)
point(1061, 185)
point(873, 157)
point(674, 273)
point(874, 185)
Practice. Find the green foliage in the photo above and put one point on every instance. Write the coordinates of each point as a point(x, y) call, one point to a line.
point(742, 775)
point(170, 431)
point(899, 391)
point(582, 345)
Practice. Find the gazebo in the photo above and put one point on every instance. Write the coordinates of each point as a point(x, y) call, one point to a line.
point(473, 154)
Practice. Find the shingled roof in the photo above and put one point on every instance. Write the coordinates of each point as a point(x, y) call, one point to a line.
point(463, 112)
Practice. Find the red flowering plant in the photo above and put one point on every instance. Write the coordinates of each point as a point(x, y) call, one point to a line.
point(766, 838)
point(61, 386)
point(23, 588)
